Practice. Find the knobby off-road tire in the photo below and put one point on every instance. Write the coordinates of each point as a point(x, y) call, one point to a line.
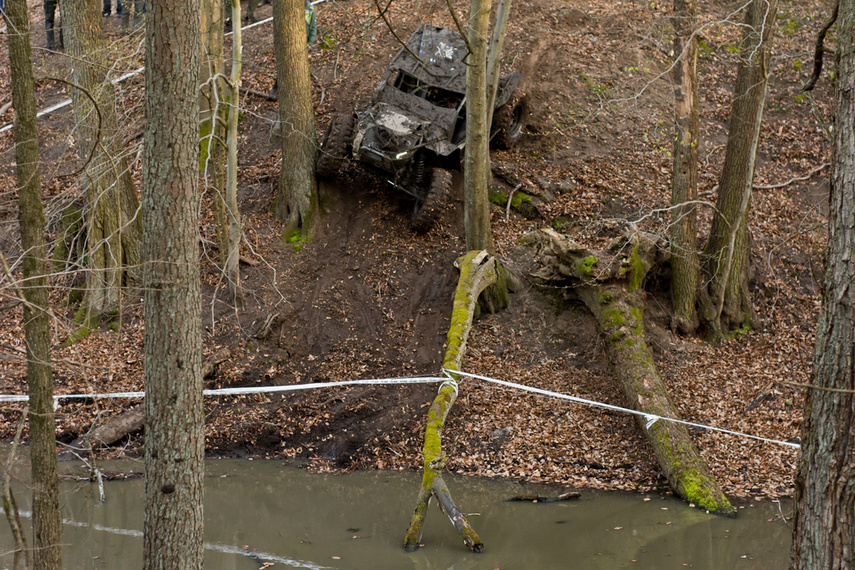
point(427, 212)
point(335, 145)
point(509, 120)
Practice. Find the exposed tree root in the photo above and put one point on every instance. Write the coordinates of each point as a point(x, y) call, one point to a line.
point(610, 285)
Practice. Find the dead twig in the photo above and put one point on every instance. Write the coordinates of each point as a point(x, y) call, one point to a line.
point(807, 176)
point(510, 198)
point(820, 50)
point(255, 93)
point(820, 388)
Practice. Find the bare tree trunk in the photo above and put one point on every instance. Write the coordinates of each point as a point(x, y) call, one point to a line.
point(297, 191)
point(684, 182)
point(47, 527)
point(174, 449)
point(112, 225)
point(476, 213)
point(726, 303)
point(824, 523)
point(478, 271)
point(232, 267)
point(494, 57)
point(212, 110)
point(610, 285)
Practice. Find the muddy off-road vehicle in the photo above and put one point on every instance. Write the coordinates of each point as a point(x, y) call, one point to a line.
point(415, 127)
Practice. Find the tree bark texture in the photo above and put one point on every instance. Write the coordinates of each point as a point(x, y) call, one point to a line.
point(476, 203)
point(47, 527)
point(610, 284)
point(213, 105)
point(174, 447)
point(478, 271)
point(727, 304)
point(494, 57)
point(685, 265)
point(824, 523)
point(232, 267)
point(112, 224)
point(297, 190)
point(213, 99)
point(212, 66)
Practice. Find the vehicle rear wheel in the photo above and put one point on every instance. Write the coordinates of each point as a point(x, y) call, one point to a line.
point(427, 211)
point(509, 120)
point(335, 145)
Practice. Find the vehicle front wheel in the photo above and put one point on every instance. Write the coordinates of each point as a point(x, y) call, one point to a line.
point(427, 211)
point(335, 144)
point(509, 120)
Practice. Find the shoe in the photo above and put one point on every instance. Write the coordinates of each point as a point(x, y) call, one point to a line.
point(105, 13)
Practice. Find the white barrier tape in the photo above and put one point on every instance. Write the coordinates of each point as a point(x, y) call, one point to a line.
point(239, 391)
point(450, 382)
point(67, 102)
point(41, 113)
point(293, 387)
point(618, 408)
point(125, 76)
point(650, 419)
point(224, 548)
point(244, 28)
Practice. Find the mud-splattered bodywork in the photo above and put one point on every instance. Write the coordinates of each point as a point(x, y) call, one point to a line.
point(417, 115)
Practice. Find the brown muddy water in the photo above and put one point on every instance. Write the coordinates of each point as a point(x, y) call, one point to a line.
point(271, 514)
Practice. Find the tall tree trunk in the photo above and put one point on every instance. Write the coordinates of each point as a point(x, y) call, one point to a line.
point(297, 192)
point(824, 524)
point(174, 450)
point(494, 58)
point(112, 225)
point(232, 267)
point(476, 212)
point(212, 110)
point(726, 303)
point(684, 181)
point(47, 527)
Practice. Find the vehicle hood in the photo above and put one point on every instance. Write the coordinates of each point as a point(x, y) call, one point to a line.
point(387, 129)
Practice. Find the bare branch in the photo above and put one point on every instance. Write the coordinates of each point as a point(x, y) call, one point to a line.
point(820, 49)
point(97, 134)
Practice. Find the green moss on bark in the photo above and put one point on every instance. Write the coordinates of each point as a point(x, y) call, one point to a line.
point(585, 266)
point(638, 270)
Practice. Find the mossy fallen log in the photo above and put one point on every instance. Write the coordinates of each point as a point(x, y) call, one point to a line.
point(478, 270)
point(610, 284)
point(521, 202)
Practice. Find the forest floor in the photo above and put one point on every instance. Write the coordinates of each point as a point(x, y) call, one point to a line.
point(367, 298)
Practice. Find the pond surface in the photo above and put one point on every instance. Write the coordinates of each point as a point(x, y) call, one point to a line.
point(263, 512)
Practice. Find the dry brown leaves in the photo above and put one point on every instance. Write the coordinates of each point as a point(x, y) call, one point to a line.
point(598, 143)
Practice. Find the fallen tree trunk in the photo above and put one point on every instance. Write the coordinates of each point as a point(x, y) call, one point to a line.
point(610, 285)
point(478, 270)
point(131, 420)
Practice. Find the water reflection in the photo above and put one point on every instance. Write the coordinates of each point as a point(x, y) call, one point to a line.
point(263, 512)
